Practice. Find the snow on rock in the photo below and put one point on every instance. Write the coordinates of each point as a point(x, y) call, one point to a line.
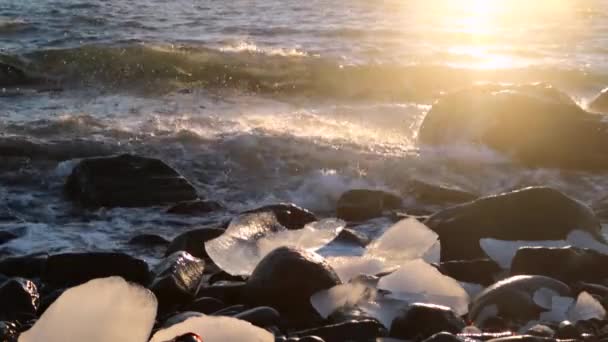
point(585, 308)
point(101, 310)
point(250, 237)
point(215, 329)
point(417, 281)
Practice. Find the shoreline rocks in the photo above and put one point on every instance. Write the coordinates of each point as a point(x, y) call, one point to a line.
point(364, 204)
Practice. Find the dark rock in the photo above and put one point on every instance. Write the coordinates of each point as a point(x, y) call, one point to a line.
point(352, 237)
point(600, 103)
point(148, 240)
point(193, 241)
point(19, 298)
point(48, 299)
point(231, 310)
point(479, 271)
point(8, 332)
point(176, 280)
point(567, 330)
point(286, 278)
point(568, 264)
point(522, 338)
point(289, 215)
point(223, 276)
point(558, 132)
point(196, 207)
point(11, 75)
point(420, 321)
point(512, 299)
point(364, 204)
point(485, 336)
point(262, 316)
point(7, 236)
point(26, 266)
point(205, 305)
point(127, 181)
point(427, 193)
point(536, 213)
point(309, 339)
point(541, 331)
point(593, 289)
point(355, 330)
point(189, 337)
point(179, 318)
point(227, 292)
point(443, 337)
point(71, 269)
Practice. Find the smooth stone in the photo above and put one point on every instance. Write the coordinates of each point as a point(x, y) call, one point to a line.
point(286, 278)
point(421, 320)
point(529, 214)
point(205, 305)
point(443, 337)
point(434, 194)
point(148, 240)
point(513, 299)
point(231, 310)
point(26, 266)
point(355, 330)
point(71, 269)
point(289, 215)
point(127, 181)
point(228, 292)
point(195, 207)
point(352, 237)
point(309, 339)
point(567, 330)
point(479, 271)
point(8, 332)
point(223, 276)
point(176, 280)
point(262, 316)
point(11, 76)
point(541, 331)
point(568, 264)
point(19, 299)
point(364, 204)
point(523, 338)
point(189, 337)
point(48, 299)
point(193, 241)
point(558, 133)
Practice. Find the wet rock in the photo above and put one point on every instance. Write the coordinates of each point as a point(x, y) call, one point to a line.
point(48, 299)
point(600, 103)
point(567, 330)
point(227, 292)
point(364, 204)
point(479, 271)
point(535, 213)
point(189, 337)
point(289, 215)
point(25, 266)
point(7, 236)
point(561, 134)
point(11, 75)
point(286, 278)
point(356, 330)
point(540, 331)
point(231, 310)
point(176, 280)
point(127, 181)
point(262, 316)
point(432, 194)
point(195, 207)
point(522, 338)
point(193, 241)
point(352, 237)
point(19, 299)
point(443, 337)
point(568, 264)
point(71, 269)
point(8, 332)
point(148, 240)
point(513, 300)
point(420, 321)
point(223, 276)
point(205, 305)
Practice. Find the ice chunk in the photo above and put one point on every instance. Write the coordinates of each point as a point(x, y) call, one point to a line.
point(585, 308)
point(250, 237)
point(418, 281)
point(583, 239)
point(472, 288)
point(348, 267)
point(543, 297)
point(215, 329)
point(328, 301)
point(383, 308)
point(102, 310)
point(559, 308)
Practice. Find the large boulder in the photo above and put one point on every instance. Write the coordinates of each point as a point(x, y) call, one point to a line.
point(193, 241)
point(535, 213)
point(513, 299)
point(365, 204)
point(480, 271)
point(127, 181)
point(20, 299)
point(534, 124)
point(568, 264)
point(288, 214)
point(286, 278)
point(420, 321)
point(71, 269)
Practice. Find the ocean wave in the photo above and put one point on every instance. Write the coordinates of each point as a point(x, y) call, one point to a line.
point(273, 71)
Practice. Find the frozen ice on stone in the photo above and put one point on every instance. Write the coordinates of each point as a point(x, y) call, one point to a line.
point(101, 310)
point(585, 308)
point(417, 281)
point(215, 329)
point(344, 295)
point(250, 237)
point(348, 267)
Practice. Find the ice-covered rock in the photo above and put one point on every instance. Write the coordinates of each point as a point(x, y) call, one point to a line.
point(585, 308)
point(101, 310)
point(417, 281)
point(250, 237)
point(328, 301)
point(215, 329)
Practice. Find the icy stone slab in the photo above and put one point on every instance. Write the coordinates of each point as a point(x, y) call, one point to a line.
point(215, 329)
point(585, 308)
point(503, 252)
point(101, 310)
point(250, 237)
point(418, 281)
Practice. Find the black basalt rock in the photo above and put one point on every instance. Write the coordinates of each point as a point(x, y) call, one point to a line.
point(420, 321)
point(25, 266)
point(535, 213)
point(286, 278)
point(262, 316)
point(193, 241)
point(355, 330)
point(444, 337)
point(288, 214)
point(127, 181)
point(148, 240)
point(19, 299)
point(8, 332)
point(479, 271)
point(365, 204)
